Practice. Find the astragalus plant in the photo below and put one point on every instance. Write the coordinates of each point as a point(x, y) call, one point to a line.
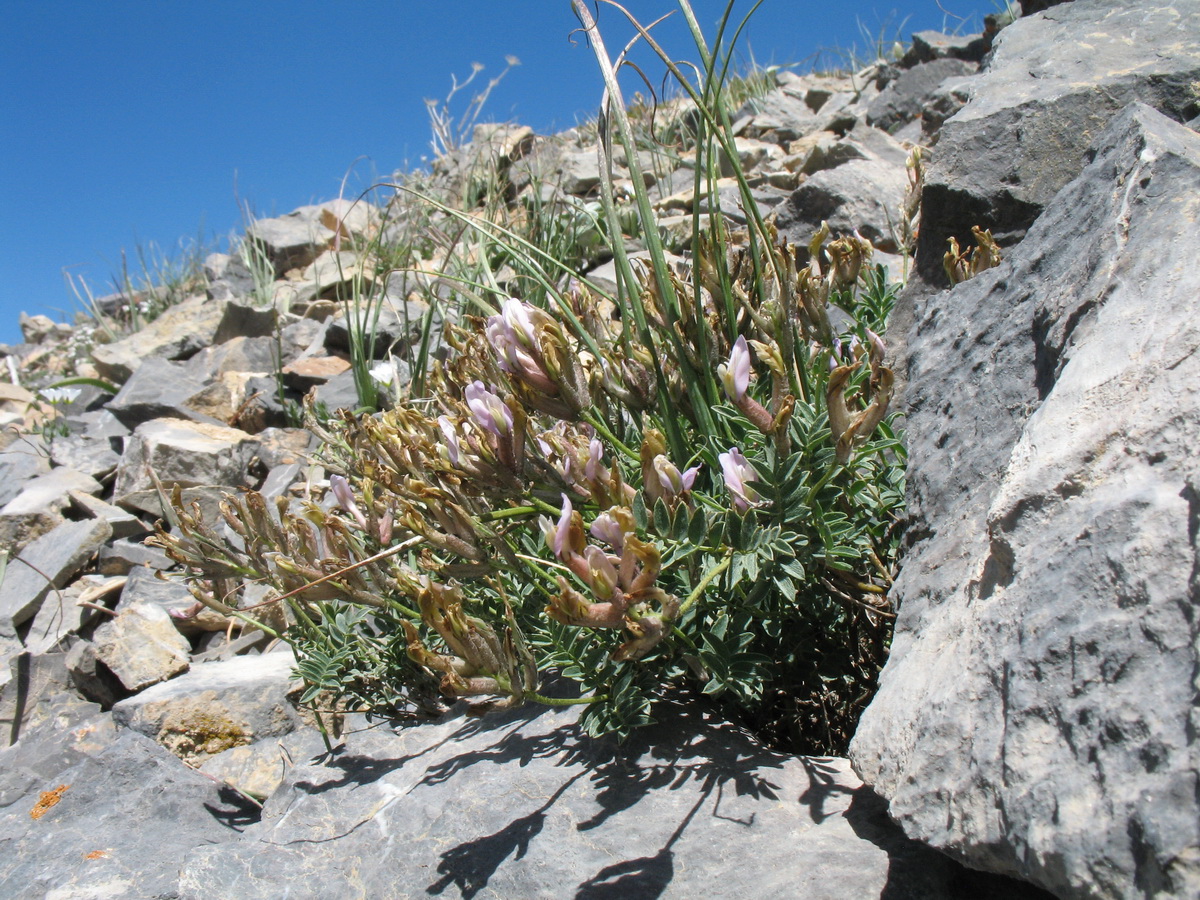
point(692, 482)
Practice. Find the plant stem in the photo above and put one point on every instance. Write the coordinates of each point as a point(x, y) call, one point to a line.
point(708, 579)
point(563, 701)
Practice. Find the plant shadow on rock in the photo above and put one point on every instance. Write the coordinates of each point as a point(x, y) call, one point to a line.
point(622, 775)
point(236, 813)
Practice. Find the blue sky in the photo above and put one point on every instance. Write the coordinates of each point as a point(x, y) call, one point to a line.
point(138, 123)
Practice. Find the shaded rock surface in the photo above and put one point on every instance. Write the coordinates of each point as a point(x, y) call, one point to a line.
point(1038, 714)
point(1053, 83)
point(524, 806)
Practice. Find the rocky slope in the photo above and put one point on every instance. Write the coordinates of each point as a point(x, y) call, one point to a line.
point(1037, 719)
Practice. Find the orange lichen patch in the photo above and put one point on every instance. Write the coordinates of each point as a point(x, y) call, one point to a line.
point(96, 854)
point(47, 800)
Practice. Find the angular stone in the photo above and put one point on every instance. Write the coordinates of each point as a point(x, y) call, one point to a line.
point(124, 555)
point(292, 241)
point(144, 586)
point(61, 616)
point(158, 389)
point(258, 769)
point(781, 115)
point(1040, 104)
point(50, 492)
point(176, 334)
point(931, 45)
point(313, 370)
point(903, 99)
point(46, 564)
point(259, 355)
point(124, 524)
point(333, 273)
point(524, 805)
point(1037, 715)
point(244, 318)
point(394, 325)
point(122, 820)
point(862, 195)
point(141, 646)
point(339, 392)
point(91, 678)
point(284, 446)
point(19, 462)
point(182, 453)
point(216, 706)
point(93, 456)
point(229, 280)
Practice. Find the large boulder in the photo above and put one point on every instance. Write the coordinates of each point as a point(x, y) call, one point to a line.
point(1038, 713)
point(1054, 81)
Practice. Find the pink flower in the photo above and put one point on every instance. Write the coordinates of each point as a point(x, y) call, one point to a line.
point(592, 466)
point(737, 472)
point(450, 444)
point(345, 498)
point(513, 335)
point(605, 527)
point(674, 483)
point(602, 574)
point(735, 375)
point(561, 536)
point(488, 409)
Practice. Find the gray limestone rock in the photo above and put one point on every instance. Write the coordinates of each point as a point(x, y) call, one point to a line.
point(188, 454)
point(176, 334)
point(38, 508)
point(245, 318)
point(114, 825)
point(141, 646)
point(94, 456)
point(20, 461)
point(292, 241)
point(1038, 714)
point(1054, 81)
point(216, 706)
point(124, 524)
point(784, 115)
point(862, 195)
point(394, 325)
point(930, 45)
point(158, 389)
point(47, 564)
point(524, 805)
point(126, 554)
point(904, 99)
point(258, 769)
point(91, 678)
point(259, 355)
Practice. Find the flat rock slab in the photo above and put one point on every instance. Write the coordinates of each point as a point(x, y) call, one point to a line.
point(523, 805)
point(181, 453)
point(114, 826)
point(158, 389)
point(45, 565)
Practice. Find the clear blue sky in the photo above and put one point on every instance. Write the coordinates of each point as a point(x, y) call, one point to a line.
point(137, 122)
